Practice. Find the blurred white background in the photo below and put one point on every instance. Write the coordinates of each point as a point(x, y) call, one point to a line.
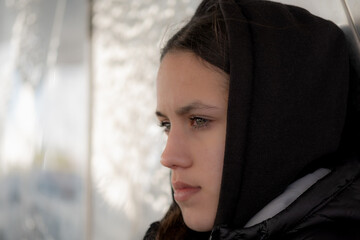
point(79, 142)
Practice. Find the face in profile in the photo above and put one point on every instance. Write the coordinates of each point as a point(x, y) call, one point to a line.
point(192, 107)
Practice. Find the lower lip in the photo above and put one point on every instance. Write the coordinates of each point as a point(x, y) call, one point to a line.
point(184, 194)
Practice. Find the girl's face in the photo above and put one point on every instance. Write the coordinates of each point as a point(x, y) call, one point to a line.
point(192, 108)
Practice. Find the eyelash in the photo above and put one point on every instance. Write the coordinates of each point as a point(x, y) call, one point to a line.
point(193, 120)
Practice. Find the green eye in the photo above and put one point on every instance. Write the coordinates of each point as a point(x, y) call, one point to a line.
point(199, 122)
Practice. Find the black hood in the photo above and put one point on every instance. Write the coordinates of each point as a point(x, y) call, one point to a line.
point(289, 110)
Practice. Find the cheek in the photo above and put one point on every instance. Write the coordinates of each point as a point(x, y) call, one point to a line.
point(213, 168)
point(213, 163)
point(207, 152)
point(202, 214)
point(210, 161)
point(215, 154)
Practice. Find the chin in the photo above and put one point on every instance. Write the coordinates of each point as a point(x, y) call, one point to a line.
point(198, 223)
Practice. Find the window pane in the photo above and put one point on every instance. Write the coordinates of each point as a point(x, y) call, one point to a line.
point(43, 119)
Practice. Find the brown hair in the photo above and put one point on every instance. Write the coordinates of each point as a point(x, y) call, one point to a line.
point(172, 226)
point(205, 36)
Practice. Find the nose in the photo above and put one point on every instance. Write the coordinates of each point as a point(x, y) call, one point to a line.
point(176, 153)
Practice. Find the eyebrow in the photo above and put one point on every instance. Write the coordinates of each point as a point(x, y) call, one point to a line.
point(188, 108)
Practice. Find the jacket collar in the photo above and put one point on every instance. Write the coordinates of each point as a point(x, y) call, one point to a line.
point(304, 211)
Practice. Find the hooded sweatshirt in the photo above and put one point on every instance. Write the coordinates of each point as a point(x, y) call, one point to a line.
point(293, 108)
point(288, 100)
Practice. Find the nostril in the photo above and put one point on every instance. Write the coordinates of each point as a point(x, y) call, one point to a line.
point(166, 163)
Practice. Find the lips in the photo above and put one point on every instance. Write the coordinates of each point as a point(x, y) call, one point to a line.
point(184, 191)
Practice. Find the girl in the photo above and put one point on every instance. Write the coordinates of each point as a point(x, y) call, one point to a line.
point(259, 103)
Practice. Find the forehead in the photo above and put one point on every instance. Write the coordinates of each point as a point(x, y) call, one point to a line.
point(183, 77)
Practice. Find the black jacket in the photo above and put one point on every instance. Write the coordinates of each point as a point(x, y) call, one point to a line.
point(329, 210)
